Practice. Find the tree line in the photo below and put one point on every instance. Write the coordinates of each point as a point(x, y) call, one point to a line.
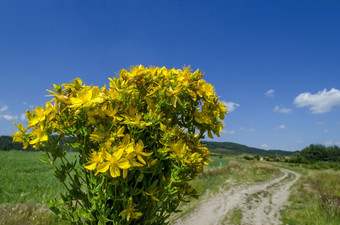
point(317, 153)
point(7, 144)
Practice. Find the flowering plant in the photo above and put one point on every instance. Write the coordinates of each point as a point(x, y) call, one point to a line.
point(138, 143)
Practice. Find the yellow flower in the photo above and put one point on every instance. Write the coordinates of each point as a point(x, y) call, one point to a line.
point(86, 96)
point(112, 113)
point(38, 116)
point(179, 148)
point(95, 158)
point(19, 136)
point(60, 97)
point(138, 151)
point(130, 212)
point(222, 109)
point(83, 98)
point(114, 162)
point(205, 90)
point(39, 135)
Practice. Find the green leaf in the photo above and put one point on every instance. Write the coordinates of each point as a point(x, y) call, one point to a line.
point(54, 210)
point(77, 194)
point(75, 217)
point(140, 178)
point(153, 185)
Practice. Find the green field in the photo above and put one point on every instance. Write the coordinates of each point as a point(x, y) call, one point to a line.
point(26, 184)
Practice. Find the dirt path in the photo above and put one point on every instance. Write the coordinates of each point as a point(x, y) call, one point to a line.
point(257, 203)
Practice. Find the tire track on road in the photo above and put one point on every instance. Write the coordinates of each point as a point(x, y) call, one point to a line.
point(260, 203)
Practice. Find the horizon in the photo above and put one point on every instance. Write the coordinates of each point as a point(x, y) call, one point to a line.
point(275, 64)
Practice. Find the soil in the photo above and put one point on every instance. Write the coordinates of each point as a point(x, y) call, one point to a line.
point(259, 203)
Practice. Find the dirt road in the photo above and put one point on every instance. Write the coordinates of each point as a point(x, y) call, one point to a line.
point(256, 204)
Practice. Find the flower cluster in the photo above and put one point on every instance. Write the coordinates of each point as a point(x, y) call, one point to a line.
point(148, 118)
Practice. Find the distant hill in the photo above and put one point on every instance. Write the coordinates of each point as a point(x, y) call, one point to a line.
point(226, 148)
point(230, 148)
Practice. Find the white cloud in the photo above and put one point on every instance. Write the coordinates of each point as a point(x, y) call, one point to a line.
point(3, 108)
point(231, 106)
point(23, 116)
point(9, 117)
point(270, 93)
point(282, 110)
point(281, 127)
point(248, 129)
point(320, 123)
point(228, 131)
point(321, 102)
point(299, 141)
point(325, 130)
point(265, 146)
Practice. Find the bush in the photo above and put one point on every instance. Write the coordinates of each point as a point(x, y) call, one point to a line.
point(136, 143)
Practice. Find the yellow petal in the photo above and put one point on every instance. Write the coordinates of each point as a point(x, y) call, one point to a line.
point(78, 82)
point(140, 145)
point(146, 153)
point(20, 127)
point(32, 142)
point(124, 164)
point(33, 121)
point(120, 132)
point(141, 159)
point(103, 167)
point(119, 153)
point(129, 149)
point(75, 102)
point(91, 166)
point(17, 136)
point(114, 171)
point(44, 138)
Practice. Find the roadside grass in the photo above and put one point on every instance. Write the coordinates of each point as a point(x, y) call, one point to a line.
point(234, 217)
point(315, 199)
point(27, 214)
point(26, 184)
point(233, 172)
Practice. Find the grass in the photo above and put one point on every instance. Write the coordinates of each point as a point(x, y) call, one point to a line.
point(315, 199)
point(234, 217)
point(236, 171)
point(27, 214)
point(26, 184)
point(25, 178)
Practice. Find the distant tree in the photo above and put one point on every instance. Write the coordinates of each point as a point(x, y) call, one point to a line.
point(247, 157)
point(317, 153)
point(6, 144)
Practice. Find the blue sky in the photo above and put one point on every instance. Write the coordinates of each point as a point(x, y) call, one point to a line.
point(275, 63)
